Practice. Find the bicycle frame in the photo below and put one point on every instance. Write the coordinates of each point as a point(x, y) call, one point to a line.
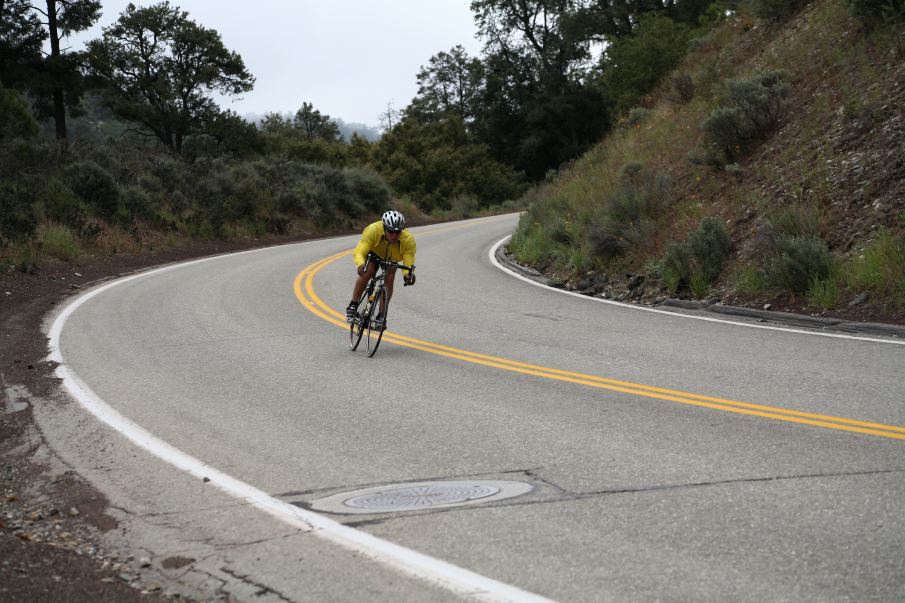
point(376, 289)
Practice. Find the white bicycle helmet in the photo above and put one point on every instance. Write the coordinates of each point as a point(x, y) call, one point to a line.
point(393, 220)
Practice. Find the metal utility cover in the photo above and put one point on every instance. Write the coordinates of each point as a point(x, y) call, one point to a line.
point(395, 498)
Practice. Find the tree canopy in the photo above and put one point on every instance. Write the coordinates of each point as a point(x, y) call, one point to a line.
point(54, 81)
point(450, 83)
point(21, 38)
point(160, 68)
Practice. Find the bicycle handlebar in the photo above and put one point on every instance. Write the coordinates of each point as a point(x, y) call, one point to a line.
point(388, 264)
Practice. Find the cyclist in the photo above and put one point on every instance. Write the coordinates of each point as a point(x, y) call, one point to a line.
point(388, 239)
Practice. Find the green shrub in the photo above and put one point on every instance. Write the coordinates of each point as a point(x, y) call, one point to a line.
point(762, 99)
point(530, 244)
point(627, 219)
point(681, 88)
point(60, 204)
point(23, 257)
point(637, 116)
point(138, 203)
point(709, 246)
point(699, 285)
point(753, 107)
point(95, 186)
point(698, 261)
point(796, 220)
point(464, 206)
point(369, 190)
point(724, 133)
point(797, 262)
point(17, 213)
point(677, 266)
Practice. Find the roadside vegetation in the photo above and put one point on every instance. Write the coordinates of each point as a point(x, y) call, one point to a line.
point(765, 168)
point(111, 150)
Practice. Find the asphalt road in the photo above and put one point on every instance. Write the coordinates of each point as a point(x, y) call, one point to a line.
point(670, 459)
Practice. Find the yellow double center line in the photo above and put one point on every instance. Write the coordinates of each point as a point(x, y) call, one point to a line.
point(304, 291)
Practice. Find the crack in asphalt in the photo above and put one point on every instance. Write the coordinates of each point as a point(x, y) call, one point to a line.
point(164, 514)
point(566, 496)
point(263, 589)
point(745, 480)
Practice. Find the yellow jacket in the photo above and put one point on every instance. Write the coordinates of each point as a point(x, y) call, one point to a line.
point(373, 238)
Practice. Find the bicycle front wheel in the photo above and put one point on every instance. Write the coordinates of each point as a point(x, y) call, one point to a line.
point(375, 334)
point(358, 326)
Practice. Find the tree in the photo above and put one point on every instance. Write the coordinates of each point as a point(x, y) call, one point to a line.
point(612, 19)
point(313, 124)
point(543, 30)
point(389, 118)
point(21, 39)
point(632, 65)
point(55, 81)
point(229, 133)
point(436, 162)
point(309, 136)
point(15, 118)
point(63, 18)
point(160, 68)
point(450, 83)
point(359, 150)
point(536, 110)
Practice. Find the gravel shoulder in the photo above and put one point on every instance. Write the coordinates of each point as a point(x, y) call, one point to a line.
point(51, 519)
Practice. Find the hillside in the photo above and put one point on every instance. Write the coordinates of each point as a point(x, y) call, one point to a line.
point(812, 199)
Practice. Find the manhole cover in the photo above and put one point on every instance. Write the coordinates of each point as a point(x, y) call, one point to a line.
point(421, 495)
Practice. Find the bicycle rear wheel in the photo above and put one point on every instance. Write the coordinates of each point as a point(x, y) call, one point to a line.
point(358, 326)
point(374, 334)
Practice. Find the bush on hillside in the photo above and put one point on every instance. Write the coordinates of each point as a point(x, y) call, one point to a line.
point(681, 89)
point(95, 186)
point(627, 219)
point(17, 214)
point(709, 246)
point(796, 220)
point(798, 262)
point(753, 107)
point(697, 261)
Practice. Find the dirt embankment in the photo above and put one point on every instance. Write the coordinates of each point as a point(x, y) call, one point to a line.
point(51, 520)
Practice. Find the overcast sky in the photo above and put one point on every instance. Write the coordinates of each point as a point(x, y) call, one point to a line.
point(348, 58)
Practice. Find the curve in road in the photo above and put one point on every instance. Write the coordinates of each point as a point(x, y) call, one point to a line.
point(304, 291)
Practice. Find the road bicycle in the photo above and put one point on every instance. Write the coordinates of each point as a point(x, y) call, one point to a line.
point(373, 302)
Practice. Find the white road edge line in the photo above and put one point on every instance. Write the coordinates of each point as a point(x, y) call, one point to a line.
point(434, 571)
point(495, 262)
